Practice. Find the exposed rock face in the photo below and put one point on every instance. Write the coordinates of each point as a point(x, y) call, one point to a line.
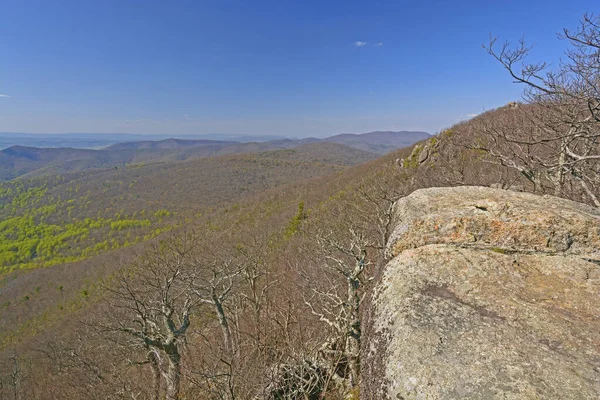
point(490, 294)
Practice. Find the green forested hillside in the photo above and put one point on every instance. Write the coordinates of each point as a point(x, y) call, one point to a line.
point(46, 221)
point(42, 226)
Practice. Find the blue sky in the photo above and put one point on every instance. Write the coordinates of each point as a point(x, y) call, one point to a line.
point(262, 67)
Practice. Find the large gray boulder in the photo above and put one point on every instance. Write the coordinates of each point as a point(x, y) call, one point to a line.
point(490, 294)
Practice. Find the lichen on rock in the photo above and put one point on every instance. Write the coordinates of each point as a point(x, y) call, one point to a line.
point(490, 294)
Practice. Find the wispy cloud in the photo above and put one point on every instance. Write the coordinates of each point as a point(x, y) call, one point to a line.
point(142, 120)
point(4, 95)
point(465, 117)
point(378, 44)
point(360, 44)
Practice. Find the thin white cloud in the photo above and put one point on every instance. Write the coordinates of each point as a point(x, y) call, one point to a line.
point(4, 95)
point(379, 44)
point(360, 44)
point(142, 120)
point(465, 117)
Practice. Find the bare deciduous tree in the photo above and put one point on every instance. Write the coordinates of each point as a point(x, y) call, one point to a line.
point(334, 293)
point(14, 379)
point(215, 286)
point(152, 304)
point(557, 139)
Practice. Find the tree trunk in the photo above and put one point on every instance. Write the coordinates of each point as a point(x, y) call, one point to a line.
point(560, 173)
point(173, 376)
point(354, 334)
point(224, 326)
point(153, 359)
point(15, 377)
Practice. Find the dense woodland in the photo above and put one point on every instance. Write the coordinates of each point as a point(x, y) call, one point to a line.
point(245, 277)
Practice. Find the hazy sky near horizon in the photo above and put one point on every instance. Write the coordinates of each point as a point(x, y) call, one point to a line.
point(283, 67)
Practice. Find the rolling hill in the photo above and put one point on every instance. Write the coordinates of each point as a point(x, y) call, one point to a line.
point(164, 144)
point(131, 203)
point(379, 142)
point(17, 161)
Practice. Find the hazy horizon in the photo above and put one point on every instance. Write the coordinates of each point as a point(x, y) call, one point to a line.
point(177, 135)
point(101, 140)
point(269, 68)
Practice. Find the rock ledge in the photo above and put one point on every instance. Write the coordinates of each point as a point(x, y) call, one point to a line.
point(490, 294)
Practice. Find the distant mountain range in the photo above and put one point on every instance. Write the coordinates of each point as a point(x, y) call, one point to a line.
point(101, 140)
point(18, 160)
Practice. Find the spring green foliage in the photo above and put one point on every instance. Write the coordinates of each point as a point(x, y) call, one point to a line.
point(413, 160)
point(37, 229)
point(119, 225)
point(160, 214)
point(294, 223)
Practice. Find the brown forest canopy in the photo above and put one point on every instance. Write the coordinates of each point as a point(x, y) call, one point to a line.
point(263, 299)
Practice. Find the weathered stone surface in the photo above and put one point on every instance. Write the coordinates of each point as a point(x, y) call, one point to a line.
point(490, 294)
point(501, 219)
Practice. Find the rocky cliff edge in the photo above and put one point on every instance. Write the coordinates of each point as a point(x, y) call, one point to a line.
point(490, 294)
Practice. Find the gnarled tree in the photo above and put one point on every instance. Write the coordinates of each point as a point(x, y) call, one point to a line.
point(151, 307)
point(555, 141)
